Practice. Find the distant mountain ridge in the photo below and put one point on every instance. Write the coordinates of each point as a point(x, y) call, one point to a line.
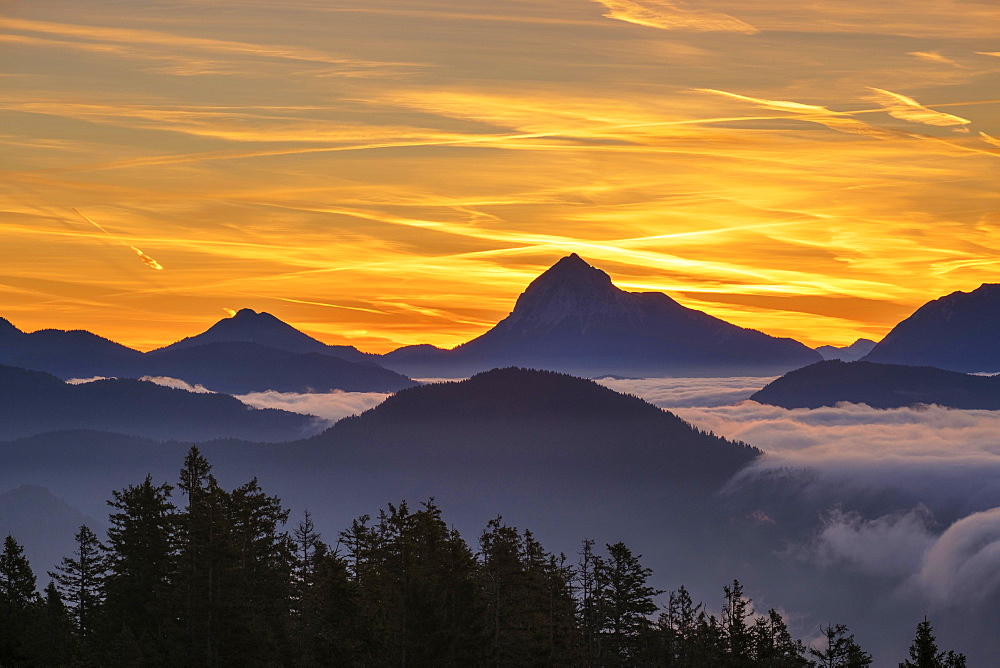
point(958, 332)
point(572, 318)
point(879, 386)
point(850, 353)
point(250, 352)
point(33, 402)
point(249, 326)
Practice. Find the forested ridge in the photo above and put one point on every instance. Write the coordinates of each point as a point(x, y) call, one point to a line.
point(195, 575)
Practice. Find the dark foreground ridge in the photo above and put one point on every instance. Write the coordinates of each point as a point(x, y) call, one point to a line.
point(572, 318)
point(880, 386)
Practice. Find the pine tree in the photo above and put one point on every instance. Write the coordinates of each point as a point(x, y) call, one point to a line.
point(139, 611)
point(530, 611)
point(623, 603)
point(735, 631)
point(52, 639)
point(17, 599)
point(841, 650)
point(80, 580)
point(924, 651)
point(773, 646)
point(205, 562)
point(262, 592)
point(419, 587)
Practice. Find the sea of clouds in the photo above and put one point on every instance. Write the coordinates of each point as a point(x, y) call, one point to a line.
point(943, 550)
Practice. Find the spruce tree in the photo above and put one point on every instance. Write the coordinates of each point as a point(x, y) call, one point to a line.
point(80, 580)
point(139, 611)
point(17, 600)
point(623, 603)
point(841, 651)
point(924, 651)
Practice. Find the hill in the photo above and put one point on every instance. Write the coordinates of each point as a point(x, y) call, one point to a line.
point(67, 354)
point(530, 423)
point(573, 319)
point(32, 402)
point(879, 386)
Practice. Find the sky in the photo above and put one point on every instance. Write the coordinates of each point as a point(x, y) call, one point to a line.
point(384, 173)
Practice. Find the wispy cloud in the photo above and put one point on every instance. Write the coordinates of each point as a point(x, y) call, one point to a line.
point(907, 109)
point(933, 57)
point(147, 260)
point(674, 15)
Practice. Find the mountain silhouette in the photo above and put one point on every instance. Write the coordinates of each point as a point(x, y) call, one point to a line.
point(249, 326)
point(531, 422)
point(850, 353)
point(32, 402)
point(959, 332)
point(572, 318)
point(240, 361)
point(880, 386)
point(239, 368)
point(67, 354)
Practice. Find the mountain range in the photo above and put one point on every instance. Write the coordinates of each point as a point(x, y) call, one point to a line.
point(249, 352)
point(850, 353)
point(880, 386)
point(572, 318)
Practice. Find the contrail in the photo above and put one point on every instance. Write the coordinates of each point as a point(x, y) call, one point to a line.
point(148, 261)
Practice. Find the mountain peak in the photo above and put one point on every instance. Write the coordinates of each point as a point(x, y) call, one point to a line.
point(575, 269)
point(245, 314)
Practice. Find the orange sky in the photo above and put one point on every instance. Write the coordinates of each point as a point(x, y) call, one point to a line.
point(389, 172)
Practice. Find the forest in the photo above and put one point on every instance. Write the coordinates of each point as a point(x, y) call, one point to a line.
point(200, 576)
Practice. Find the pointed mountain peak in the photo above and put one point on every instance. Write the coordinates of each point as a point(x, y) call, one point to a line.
point(573, 270)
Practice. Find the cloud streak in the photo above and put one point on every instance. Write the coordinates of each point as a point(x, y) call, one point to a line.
point(146, 260)
point(907, 109)
point(668, 15)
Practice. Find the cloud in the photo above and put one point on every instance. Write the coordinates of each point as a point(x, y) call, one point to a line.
point(933, 57)
point(890, 545)
point(687, 392)
point(907, 109)
point(963, 565)
point(989, 139)
point(667, 15)
point(328, 405)
point(177, 384)
point(811, 113)
point(81, 381)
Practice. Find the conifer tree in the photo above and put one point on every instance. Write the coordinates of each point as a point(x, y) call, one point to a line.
point(530, 611)
point(773, 645)
point(205, 562)
point(139, 611)
point(17, 600)
point(841, 651)
point(924, 651)
point(80, 580)
point(263, 588)
point(623, 603)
